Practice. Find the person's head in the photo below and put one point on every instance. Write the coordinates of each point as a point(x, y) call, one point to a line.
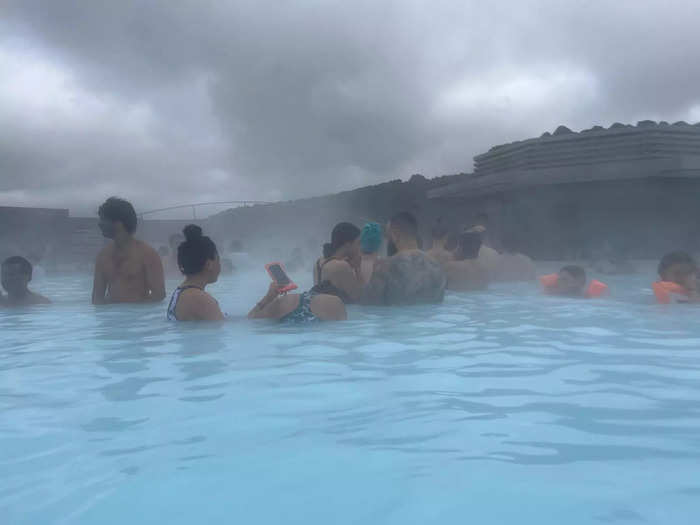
point(117, 218)
point(469, 246)
point(345, 241)
point(163, 251)
point(679, 268)
point(371, 238)
point(16, 275)
point(439, 232)
point(572, 280)
point(198, 255)
point(174, 241)
point(401, 231)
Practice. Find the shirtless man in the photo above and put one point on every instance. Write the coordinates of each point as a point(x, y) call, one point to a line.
point(127, 270)
point(439, 250)
point(408, 276)
point(466, 273)
point(16, 276)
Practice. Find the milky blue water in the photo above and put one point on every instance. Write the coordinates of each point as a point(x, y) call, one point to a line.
point(498, 407)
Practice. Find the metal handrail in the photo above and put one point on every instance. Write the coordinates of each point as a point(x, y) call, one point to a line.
point(194, 206)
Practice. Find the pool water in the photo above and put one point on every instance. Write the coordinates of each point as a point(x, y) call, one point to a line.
point(497, 407)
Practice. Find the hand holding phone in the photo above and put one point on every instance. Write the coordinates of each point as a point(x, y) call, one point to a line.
point(280, 277)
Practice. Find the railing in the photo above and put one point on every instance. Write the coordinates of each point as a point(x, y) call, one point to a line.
point(194, 206)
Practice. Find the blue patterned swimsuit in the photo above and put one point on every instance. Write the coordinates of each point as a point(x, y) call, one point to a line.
point(172, 306)
point(302, 314)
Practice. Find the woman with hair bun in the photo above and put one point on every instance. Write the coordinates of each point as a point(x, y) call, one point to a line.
point(198, 260)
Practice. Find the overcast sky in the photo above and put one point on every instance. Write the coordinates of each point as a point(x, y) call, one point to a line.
point(166, 102)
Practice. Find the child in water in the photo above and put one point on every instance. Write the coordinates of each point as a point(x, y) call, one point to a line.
point(678, 274)
point(16, 276)
point(571, 282)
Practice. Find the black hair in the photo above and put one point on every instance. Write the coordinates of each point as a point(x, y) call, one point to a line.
point(195, 251)
point(118, 210)
point(469, 246)
point(575, 271)
point(406, 223)
point(342, 234)
point(24, 264)
point(674, 258)
point(439, 231)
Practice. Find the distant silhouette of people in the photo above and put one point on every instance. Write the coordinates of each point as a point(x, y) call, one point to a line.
point(16, 274)
point(440, 234)
point(465, 272)
point(127, 270)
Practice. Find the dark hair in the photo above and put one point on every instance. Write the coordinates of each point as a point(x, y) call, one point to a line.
point(24, 264)
point(342, 234)
point(575, 271)
point(439, 231)
point(118, 210)
point(469, 246)
point(406, 223)
point(195, 251)
point(673, 258)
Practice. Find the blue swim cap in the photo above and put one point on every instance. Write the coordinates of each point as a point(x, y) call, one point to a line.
point(371, 238)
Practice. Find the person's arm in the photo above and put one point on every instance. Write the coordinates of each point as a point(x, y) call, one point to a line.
point(99, 283)
point(155, 281)
point(268, 306)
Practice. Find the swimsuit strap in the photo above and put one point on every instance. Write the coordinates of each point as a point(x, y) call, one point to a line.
point(172, 306)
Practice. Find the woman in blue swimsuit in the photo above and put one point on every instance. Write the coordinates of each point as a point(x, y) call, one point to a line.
point(198, 260)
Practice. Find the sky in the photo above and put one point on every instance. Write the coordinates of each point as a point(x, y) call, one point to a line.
point(170, 102)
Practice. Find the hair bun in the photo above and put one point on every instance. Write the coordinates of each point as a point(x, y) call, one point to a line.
point(192, 232)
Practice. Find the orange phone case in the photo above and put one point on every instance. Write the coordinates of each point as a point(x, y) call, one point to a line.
point(289, 287)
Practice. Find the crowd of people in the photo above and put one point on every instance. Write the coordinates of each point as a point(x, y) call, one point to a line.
point(350, 270)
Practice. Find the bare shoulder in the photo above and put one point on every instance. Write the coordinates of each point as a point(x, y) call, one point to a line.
point(106, 251)
point(146, 249)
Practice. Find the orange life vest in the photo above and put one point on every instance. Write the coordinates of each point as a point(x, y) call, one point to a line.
point(595, 288)
point(668, 292)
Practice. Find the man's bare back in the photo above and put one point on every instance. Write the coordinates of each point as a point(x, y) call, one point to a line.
point(129, 274)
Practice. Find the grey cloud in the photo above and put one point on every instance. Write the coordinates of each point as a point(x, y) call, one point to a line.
point(283, 100)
